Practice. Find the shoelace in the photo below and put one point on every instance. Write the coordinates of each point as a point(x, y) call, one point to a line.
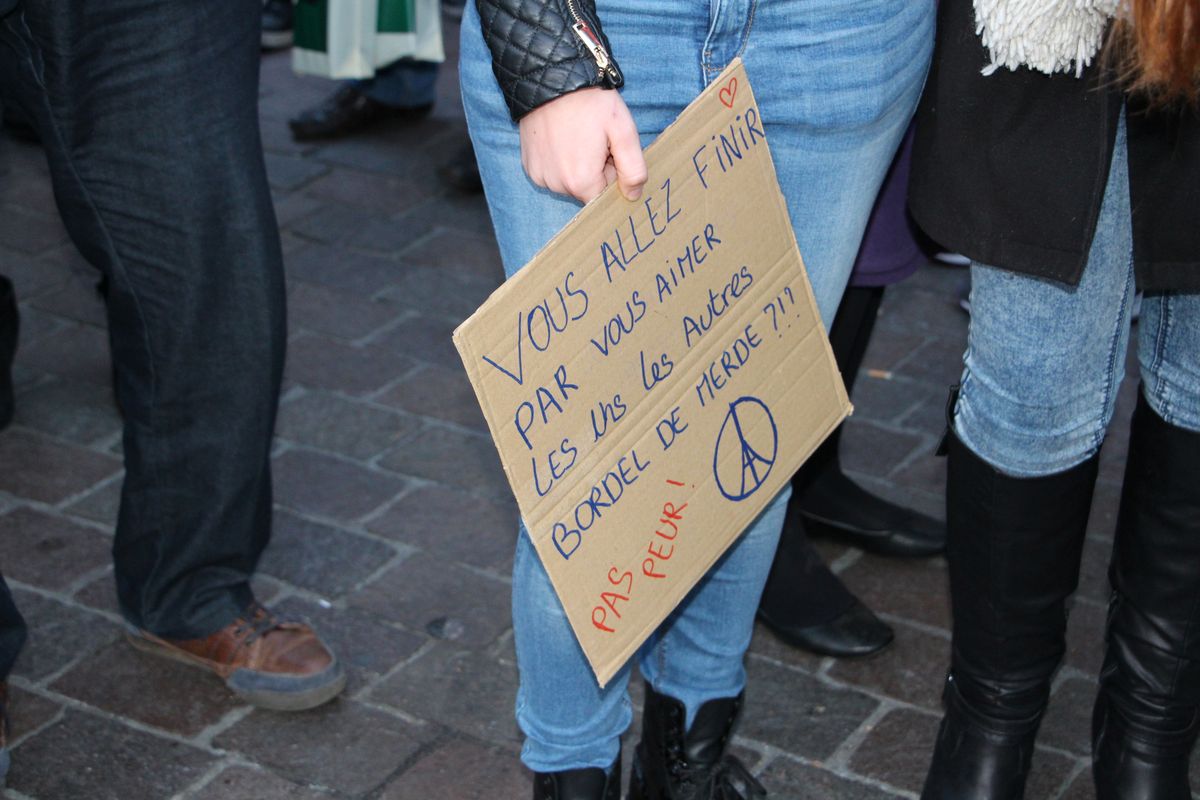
point(256, 623)
point(728, 780)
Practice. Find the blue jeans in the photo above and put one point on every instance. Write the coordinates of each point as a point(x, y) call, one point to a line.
point(1044, 360)
point(836, 82)
point(402, 84)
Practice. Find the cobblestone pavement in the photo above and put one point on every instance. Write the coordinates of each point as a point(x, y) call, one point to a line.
point(394, 528)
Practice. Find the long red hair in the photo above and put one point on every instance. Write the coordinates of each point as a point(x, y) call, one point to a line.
point(1157, 47)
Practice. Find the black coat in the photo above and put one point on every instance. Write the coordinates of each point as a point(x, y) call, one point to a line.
point(1010, 169)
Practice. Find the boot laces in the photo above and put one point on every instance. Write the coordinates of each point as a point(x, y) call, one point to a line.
point(256, 623)
point(728, 779)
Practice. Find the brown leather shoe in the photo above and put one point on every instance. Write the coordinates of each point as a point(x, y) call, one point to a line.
point(3, 731)
point(347, 111)
point(273, 664)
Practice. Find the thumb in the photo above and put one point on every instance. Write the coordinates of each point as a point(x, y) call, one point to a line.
point(626, 150)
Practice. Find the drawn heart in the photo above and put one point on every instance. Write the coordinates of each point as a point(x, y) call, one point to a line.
point(728, 92)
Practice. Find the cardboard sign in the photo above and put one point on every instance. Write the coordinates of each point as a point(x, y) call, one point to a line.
point(656, 374)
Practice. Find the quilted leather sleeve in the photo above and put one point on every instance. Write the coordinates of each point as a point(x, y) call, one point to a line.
point(542, 49)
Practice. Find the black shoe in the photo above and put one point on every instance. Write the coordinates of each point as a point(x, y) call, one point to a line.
point(9, 329)
point(461, 173)
point(276, 24)
point(1147, 713)
point(807, 606)
point(1013, 553)
point(348, 111)
point(579, 784)
point(833, 505)
point(673, 764)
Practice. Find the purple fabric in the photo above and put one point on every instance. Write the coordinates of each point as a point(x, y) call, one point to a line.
point(890, 251)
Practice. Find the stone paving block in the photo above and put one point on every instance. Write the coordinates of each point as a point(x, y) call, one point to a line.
point(321, 558)
point(785, 777)
point(880, 396)
point(78, 352)
point(253, 784)
point(874, 450)
point(100, 594)
point(291, 172)
point(397, 148)
point(293, 207)
point(939, 361)
point(1102, 519)
point(338, 268)
point(912, 669)
point(58, 635)
point(772, 648)
point(460, 212)
point(916, 309)
point(929, 415)
point(367, 645)
point(47, 471)
point(1068, 721)
point(319, 362)
point(330, 487)
point(915, 589)
point(79, 412)
point(452, 250)
point(440, 392)
point(424, 593)
point(456, 458)
point(35, 324)
point(383, 194)
point(83, 756)
point(76, 300)
point(339, 314)
point(100, 504)
point(463, 770)
point(342, 745)
point(926, 472)
point(47, 551)
point(33, 275)
point(453, 526)
point(451, 294)
point(799, 714)
point(337, 224)
point(1084, 788)
point(27, 712)
point(425, 338)
point(464, 689)
point(28, 232)
point(352, 429)
point(891, 345)
point(1093, 571)
point(1085, 636)
point(155, 691)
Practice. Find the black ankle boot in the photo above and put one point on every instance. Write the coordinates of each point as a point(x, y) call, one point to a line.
point(579, 784)
point(1147, 714)
point(1013, 552)
point(9, 322)
point(671, 764)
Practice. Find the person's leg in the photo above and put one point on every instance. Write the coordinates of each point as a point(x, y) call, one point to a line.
point(1041, 371)
point(1147, 714)
point(12, 637)
point(402, 84)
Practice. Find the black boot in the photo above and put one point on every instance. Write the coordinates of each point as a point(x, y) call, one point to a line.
point(9, 323)
point(579, 784)
point(1013, 549)
point(1148, 711)
point(807, 606)
point(670, 764)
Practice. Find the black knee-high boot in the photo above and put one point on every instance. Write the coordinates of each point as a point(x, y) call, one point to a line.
point(1013, 547)
point(1148, 711)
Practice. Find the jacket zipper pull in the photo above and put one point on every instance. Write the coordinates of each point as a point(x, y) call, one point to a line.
point(596, 48)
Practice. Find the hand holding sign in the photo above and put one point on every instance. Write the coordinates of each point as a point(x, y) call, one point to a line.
point(666, 375)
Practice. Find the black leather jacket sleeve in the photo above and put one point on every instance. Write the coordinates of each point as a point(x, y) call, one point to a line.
point(542, 49)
